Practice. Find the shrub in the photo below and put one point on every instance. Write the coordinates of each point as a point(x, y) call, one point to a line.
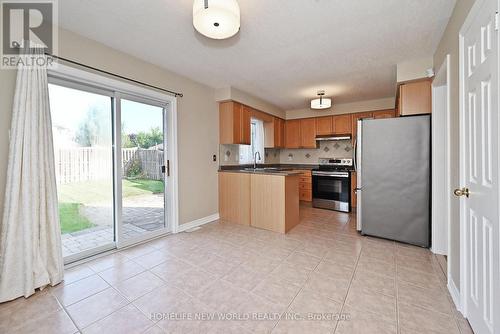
point(134, 169)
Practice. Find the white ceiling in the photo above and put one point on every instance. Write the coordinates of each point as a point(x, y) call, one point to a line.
point(286, 49)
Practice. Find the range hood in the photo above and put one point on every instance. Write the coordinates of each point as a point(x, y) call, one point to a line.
point(333, 137)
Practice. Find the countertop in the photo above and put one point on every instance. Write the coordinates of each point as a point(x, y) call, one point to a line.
point(277, 172)
point(280, 166)
point(281, 169)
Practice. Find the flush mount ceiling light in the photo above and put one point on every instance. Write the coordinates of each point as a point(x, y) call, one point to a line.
point(217, 19)
point(322, 102)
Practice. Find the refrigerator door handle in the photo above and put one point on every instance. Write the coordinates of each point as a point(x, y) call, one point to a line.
point(356, 154)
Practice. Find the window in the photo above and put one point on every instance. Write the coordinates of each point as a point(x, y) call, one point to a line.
point(247, 152)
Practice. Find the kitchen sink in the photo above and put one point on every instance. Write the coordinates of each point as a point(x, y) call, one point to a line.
point(263, 169)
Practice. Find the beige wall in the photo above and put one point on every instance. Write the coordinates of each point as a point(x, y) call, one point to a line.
point(413, 69)
point(197, 120)
point(344, 108)
point(449, 45)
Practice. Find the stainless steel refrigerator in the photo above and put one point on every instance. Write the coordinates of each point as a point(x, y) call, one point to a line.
point(393, 178)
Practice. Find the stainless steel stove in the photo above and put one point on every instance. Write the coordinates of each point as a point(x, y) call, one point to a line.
point(331, 184)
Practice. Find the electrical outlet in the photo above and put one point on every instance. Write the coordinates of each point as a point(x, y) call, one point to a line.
point(214, 158)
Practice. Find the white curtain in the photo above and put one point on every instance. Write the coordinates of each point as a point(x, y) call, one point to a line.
point(30, 237)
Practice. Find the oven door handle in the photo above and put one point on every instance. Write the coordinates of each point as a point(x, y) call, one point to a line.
point(343, 175)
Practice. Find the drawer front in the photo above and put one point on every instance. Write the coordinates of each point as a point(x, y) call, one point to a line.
point(305, 195)
point(305, 179)
point(305, 186)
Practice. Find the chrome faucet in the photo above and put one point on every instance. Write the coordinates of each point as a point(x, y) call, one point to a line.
point(255, 159)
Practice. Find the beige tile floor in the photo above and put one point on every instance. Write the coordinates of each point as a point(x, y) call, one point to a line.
point(322, 277)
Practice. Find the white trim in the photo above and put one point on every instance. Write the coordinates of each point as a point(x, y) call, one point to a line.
point(117, 171)
point(441, 198)
point(92, 253)
point(455, 294)
point(173, 156)
point(197, 223)
point(143, 238)
point(463, 232)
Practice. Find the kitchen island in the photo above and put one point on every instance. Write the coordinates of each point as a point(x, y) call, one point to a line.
point(266, 199)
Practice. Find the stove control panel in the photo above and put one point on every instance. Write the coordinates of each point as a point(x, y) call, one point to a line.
point(335, 162)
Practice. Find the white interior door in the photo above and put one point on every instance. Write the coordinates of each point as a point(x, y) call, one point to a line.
point(479, 172)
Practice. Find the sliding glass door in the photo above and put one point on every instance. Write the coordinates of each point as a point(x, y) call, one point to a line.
point(111, 188)
point(142, 159)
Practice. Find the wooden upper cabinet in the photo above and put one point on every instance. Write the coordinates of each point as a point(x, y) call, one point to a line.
point(234, 123)
point(342, 124)
point(292, 133)
point(279, 133)
point(390, 113)
point(245, 125)
point(415, 98)
point(324, 126)
point(274, 133)
point(308, 133)
point(266, 118)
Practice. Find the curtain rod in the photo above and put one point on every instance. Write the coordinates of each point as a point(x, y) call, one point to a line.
point(115, 75)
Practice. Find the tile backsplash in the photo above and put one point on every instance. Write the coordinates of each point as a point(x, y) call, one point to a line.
point(327, 149)
point(229, 155)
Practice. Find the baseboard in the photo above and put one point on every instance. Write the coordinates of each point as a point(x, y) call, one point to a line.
point(455, 294)
point(197, 222)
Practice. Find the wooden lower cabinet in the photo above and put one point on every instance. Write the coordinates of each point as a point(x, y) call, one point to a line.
point(275, 202)
point(234, 197)
point(305, 186)
point(264, 201)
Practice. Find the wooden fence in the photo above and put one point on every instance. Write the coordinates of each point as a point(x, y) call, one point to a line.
point(80, 164)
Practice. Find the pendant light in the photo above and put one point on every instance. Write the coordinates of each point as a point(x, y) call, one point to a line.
point(321, 102)
point(216, 19)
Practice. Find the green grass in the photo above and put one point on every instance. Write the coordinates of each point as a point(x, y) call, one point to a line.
point(102, 191)
point(73, 195)
point(141, 186)
point(71, 220)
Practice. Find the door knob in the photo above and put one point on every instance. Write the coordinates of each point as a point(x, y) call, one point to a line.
point(462, 192)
